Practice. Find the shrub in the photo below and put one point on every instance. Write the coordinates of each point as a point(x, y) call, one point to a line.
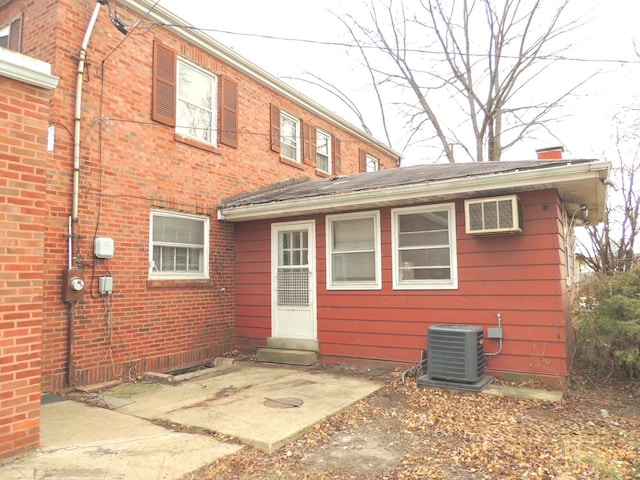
point(608, 330)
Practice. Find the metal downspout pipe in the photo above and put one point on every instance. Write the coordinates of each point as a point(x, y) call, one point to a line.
point(82, 60)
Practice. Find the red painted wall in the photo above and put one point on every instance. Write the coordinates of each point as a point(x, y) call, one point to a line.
point(130, 164)
point(23, 138)
point(520, 276)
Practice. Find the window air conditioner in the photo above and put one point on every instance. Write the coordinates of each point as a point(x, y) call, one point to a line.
point(484, 216)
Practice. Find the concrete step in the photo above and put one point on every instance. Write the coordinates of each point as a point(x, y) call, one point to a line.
point(293, 343)
point(287, 357)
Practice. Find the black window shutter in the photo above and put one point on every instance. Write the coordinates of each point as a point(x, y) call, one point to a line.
point(164, 84)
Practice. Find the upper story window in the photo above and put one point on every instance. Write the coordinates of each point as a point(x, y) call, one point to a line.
point(368, 163)
point(353, 251)
point(196, 103)
point(372, 163)
point(179, 246)
point(424, 247)
point(10, 35)
point(289, 137)
point(295, 141)
point(323, 151)
point(185, 96)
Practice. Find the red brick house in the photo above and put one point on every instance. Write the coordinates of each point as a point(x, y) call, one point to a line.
point(185, 199)
point(125, 267)
point(25, 90)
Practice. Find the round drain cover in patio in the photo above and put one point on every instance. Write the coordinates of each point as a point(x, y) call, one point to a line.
point(287, 402)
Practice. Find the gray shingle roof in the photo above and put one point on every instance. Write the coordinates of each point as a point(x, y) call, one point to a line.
point(305, 188)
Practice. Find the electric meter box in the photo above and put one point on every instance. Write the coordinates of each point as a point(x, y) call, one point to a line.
point(103, 247)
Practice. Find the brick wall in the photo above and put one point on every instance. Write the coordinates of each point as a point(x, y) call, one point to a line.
point(130, 165)
point(24, 111)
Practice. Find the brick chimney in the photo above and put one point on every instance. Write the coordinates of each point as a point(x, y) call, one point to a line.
point(551, 153)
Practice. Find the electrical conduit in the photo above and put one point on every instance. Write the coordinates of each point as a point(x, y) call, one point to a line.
point(82, 61)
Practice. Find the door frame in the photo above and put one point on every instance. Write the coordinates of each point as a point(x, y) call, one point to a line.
point(276, 228)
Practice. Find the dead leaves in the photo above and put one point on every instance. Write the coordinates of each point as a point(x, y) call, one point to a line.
point(420, 433)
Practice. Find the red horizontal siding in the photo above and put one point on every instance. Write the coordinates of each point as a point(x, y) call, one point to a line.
point(508, 258)
point(369, 352)
point(504, 243)
point(534, 366)
point(494, 302)
point(514, 273)
point(522, 277)
point(253, 269)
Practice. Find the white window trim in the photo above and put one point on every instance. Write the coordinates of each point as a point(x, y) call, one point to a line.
point(156, 275)
point(374, 160)
point(447, 284)
point(214, 102)
point(369, 285)
point(298, 157)
point(329, 152)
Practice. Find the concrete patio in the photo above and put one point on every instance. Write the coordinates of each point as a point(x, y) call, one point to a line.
point(158, 430)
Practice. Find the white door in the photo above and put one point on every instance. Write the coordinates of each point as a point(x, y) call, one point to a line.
point(293, 312)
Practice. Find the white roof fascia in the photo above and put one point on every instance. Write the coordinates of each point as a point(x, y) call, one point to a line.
point(26, 69)
point(209, 44)
point(545, 178)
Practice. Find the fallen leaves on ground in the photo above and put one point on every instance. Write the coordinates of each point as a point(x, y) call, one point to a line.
point(410, 432)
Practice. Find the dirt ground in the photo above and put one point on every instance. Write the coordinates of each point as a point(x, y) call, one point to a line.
point(404, 431)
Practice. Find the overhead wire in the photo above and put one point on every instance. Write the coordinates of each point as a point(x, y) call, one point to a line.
point(143, 26)
point(328, 43)
point(109, 119)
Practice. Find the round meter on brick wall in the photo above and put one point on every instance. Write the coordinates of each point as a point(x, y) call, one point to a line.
point(76, 284)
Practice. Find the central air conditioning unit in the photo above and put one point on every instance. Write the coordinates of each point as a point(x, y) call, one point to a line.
point(455, 353)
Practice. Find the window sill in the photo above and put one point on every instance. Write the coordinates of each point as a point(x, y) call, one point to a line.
point(197, 143)
point(320, 173)
point(354, 286)
point(178, 283)
point(291, 163)
point(425, 286)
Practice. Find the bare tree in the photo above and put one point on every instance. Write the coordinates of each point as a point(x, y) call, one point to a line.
point(609, 247)
point(466, 68)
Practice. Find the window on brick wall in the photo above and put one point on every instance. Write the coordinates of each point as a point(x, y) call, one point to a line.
point(286, 138)
point(323, 151)
point(317, 148)
point(368, 163)
point(11, 35)
point(196, 102)
point(193, 100)
point(289, 137)
point(372, 164)
point(301, 142)
point(179, 246)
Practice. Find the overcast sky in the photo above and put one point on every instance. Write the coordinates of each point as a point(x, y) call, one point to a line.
point(585, 130)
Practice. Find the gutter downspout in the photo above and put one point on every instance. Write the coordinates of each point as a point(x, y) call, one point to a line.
point(76, 176)
point(78, 112)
